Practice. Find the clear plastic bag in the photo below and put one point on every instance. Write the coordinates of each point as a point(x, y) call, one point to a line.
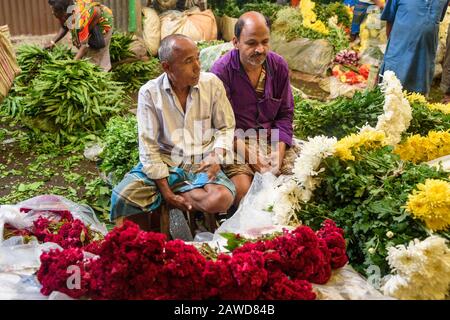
point(347, 284)
point(211, 54)
point(51, 204)
point(251, 219)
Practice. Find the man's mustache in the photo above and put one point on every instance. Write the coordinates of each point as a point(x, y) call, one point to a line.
point(257, 54)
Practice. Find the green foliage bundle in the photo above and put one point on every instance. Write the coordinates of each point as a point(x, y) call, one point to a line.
point(325, 12)
point(119, 48)
point(31, 60)
point(135, 74)
point(73, 95)
point(121, 152)
point(339, 117)
point(366, 198)
point(235, 8)
point(426, 119)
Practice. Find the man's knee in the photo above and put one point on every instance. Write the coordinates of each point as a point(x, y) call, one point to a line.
point(218, 201)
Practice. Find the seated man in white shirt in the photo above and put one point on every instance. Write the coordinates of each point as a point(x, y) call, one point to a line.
point(186, 128)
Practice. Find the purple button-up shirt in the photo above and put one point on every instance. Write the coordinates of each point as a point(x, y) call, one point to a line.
point(274, 111)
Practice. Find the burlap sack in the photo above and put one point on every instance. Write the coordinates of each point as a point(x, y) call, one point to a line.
point(152, 30)
point(9, 68)
point(196, 24)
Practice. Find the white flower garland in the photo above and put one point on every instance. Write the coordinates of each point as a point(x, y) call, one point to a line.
point(421, 270)
point(397, 114)
point(303, 183)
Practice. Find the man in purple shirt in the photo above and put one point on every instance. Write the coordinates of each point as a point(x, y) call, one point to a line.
point(257, 83)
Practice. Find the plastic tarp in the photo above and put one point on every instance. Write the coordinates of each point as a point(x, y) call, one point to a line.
point(305, 55)
point(211, 54)
point(196, 24)
point(20, 260)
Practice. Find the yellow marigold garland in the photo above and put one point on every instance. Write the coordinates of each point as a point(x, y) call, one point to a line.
point(422, 149)
point(349, 146)
point(431, 204)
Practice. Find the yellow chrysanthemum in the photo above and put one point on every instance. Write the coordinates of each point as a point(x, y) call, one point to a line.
point(418, 98)
point(348, 147)
point(444, 108)
point(421, 149)
point(431, 204)
point(310, 18)
point(415, 97)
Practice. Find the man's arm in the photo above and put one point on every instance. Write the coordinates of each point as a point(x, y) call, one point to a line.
point(284, 119)
point(149, 154)
point(224, 125)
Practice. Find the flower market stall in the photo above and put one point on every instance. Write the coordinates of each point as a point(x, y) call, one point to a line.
point(364, 216)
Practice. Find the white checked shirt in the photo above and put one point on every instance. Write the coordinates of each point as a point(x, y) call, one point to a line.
point(164, 128)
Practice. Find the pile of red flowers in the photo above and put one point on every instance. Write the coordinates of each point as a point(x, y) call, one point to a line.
point(133, 264)
point(57, 227)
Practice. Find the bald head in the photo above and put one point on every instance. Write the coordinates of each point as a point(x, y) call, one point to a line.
point(252, 20)
point(172, 45)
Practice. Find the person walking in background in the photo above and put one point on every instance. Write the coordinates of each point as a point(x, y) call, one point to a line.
point(91, 27)
point(413, 32)
point(360, 13)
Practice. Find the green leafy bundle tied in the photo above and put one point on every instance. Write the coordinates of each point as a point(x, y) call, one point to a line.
point(121, 147)
point(135, 74)
point(73, 95)
point(32, 58)
point(119, 48)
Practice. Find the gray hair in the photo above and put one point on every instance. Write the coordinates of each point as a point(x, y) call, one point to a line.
point(167, 46)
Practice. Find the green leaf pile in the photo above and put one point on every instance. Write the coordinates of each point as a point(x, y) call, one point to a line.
point(135, 74)
point(121, 152)
point(73, 95)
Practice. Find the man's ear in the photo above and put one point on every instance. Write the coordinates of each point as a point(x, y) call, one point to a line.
point(235, 42)
point(166, 66)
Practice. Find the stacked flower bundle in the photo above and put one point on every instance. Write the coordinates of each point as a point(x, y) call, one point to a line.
point(133, 264)
point(58, 227)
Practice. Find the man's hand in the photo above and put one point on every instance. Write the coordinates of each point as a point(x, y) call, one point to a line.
point(210, 165)
point(178, 202)
point(262, 164)
point(277, 157)
point(173, 200)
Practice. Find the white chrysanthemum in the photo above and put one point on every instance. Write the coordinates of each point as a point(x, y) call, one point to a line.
point(289, 199)
point(394, 285)
point(406, 262)
point(289, 196)
point(397, 114)
point(313, 152)
point(423, 270)
point(397, 110)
